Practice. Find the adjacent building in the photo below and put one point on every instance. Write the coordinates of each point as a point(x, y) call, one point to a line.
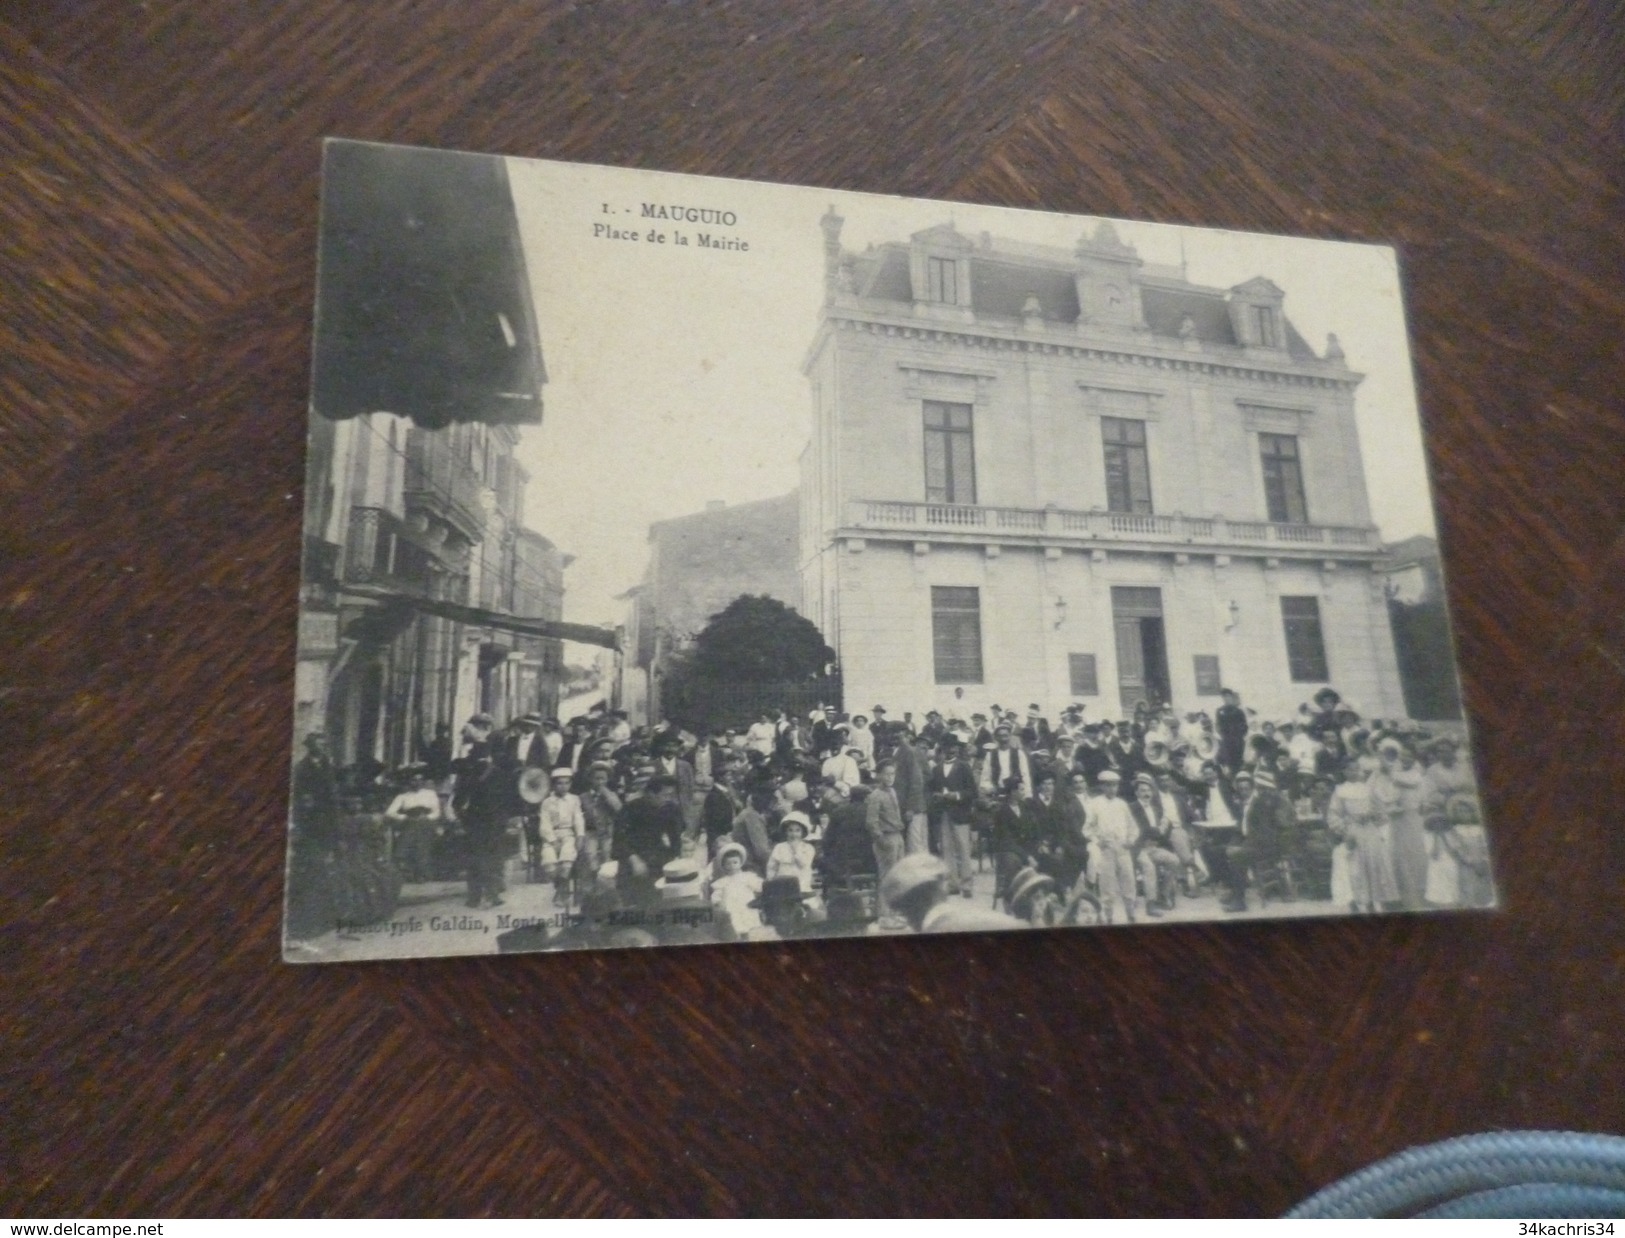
point(698, 564)
point(398, 519)
point(419, 571)
point(1047, 475)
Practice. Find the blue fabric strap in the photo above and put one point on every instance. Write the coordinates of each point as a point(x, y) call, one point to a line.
point(1510, 1173)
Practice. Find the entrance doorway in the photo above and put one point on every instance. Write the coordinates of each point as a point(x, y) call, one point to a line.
point(1142, 647)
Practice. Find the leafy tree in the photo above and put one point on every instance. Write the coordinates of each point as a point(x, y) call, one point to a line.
point(1427, 664)
point(759, 640)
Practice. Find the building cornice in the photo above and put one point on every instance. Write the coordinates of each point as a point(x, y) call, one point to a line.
point(1134, 353)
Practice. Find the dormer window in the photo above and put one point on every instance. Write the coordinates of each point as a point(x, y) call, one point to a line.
point(942, 280)
point(1255, 314)
point(1266, 329)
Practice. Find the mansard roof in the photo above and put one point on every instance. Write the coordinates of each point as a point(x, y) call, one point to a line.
point(1004, 274)
point(1166, 305)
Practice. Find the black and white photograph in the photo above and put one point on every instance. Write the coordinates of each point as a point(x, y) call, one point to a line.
point(695, 561)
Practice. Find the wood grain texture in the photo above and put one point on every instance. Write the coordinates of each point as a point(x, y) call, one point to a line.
point(156, 257)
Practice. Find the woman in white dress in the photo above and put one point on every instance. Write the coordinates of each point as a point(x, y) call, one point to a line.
point(1357, 819)
point(1397, 786)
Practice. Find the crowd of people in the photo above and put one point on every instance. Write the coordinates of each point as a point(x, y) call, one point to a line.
point(834, 823)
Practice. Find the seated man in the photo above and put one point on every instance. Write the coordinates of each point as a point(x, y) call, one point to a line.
point(1269, 828)
point(1158, 864)
point(1112, 832)
point(1179, 816)
point(846, 853)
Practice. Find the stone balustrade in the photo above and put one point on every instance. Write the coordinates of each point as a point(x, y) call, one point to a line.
point(1054, 525)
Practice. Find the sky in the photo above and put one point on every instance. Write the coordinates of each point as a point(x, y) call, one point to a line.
point(674, 373)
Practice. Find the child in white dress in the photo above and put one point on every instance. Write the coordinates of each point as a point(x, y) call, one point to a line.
point(794, 856)
point(734, 889)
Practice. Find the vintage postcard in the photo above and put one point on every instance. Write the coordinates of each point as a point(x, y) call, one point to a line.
point(691, 560)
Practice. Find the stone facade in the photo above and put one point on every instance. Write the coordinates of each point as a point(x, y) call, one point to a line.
point(396, 514)
point(698, 564)
point(538, 593)
point(1139, 487)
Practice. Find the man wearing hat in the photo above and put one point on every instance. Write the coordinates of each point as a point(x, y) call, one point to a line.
point(553, 741)
point(1159, 864)
point(846, 855)
point(1005, 761)
point(722, 804)
point(953, 800)
point(934, 729)
point(750, 826)
point(560, 826)
point(822, 721)
point(1090, 755)
point(1174, 794)
point(783, 907)
point(888, 830)
point(575, 747)
point(1232, 725)
point(917, 889)
point(1269, 827)
point(1219, 808)
point(1036, 734)
point(315, 806)
point(911, 792)
point(1110, 829)
point(1071, 722)
point(525, 743)
point(1123, 750)
point(669, 765)
point(981, 732)
point(650, 835)
point(600, 806)
point(486, 800)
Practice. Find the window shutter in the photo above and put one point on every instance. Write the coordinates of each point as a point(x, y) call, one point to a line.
point(1082, 668)
point(1208, 682)
point(956, 634)
point(1305, 643)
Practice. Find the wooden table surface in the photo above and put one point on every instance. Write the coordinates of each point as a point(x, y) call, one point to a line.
point(157, 232)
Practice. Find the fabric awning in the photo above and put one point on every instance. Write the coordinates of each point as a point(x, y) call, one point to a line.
point(586, 634)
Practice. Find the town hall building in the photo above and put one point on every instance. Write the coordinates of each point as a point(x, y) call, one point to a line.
point(1039, 475)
